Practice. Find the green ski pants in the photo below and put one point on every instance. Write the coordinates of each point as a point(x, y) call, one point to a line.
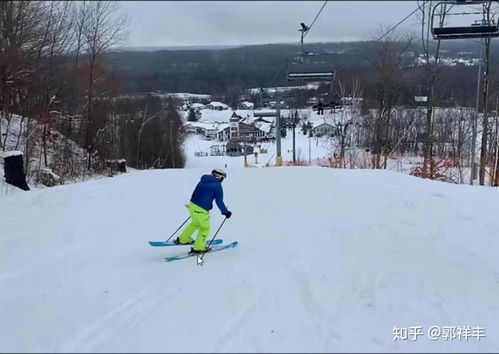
point(200, 220)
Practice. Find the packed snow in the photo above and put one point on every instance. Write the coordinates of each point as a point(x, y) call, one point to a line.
point(328, 260)
point(6, 154)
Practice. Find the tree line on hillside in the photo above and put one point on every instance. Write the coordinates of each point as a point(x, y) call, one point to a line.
point(444, 127)
point(391, 73)
point(219, 71)
point(59, 76)
point(55, 80)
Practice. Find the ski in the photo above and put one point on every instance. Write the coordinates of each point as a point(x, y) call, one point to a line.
point(170, 243)
point(213, 249)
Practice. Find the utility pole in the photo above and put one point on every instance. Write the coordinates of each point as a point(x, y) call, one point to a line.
point(495, 182)
point(294, 139)
point(171, 141)
point(245, 149)
point(485, 113)
point(278, 130)
point(474, 122)
point(309, 150)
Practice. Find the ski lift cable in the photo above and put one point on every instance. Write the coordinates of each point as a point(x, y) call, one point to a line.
point(315, 19)
point(380, 38)
point(276, 75)
point(401, 21)
point(283, 66)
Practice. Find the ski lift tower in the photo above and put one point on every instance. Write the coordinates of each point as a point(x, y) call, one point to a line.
point(480, 24)
point(271, 114)
point(310, 66)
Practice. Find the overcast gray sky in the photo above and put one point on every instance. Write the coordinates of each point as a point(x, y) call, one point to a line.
point(179, 23)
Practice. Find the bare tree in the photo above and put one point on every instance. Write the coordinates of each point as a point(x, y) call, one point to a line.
point(485, 97)
point(390, 61)
point(430, 70)
point(103, 29)
point(21, 24)
point(349, 116)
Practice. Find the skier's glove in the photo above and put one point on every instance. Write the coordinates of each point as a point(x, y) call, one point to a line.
point(228, 214)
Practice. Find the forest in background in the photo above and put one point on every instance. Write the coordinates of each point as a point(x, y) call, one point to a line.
point(59, 72)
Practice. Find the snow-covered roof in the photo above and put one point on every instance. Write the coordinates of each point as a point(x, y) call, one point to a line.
point(317, 124)
point(247, 104)
point(285, 88)
point(198, 105)
point(217, 104)
point(263, 126)
point(202, 125)
point(6, 154)
point(349, 98)
point(116, 160)
point(187, 95)
point(222, 127)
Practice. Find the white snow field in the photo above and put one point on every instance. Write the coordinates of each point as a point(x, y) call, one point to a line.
point(328, 261)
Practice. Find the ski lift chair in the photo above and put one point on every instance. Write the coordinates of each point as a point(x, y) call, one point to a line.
point(263, 97)
point(311, 68)
point(481, 28)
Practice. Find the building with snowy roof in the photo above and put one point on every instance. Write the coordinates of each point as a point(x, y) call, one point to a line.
point(238, 130)
point(246, 105)
point(219, 106)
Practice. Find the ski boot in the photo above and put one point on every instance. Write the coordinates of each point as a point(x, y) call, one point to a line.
point(193, 251)
point(177, 242)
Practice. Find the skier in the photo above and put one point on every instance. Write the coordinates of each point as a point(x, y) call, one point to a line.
point(320, 108)
point(208, 189)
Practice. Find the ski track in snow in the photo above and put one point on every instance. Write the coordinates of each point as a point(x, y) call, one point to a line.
point(130, 313)
point(328, 260)
point(233, 325)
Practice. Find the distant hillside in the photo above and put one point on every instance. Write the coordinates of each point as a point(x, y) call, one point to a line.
point(216, 70)
point(187, 47)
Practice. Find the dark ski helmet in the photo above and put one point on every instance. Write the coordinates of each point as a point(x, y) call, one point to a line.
point(219, 174)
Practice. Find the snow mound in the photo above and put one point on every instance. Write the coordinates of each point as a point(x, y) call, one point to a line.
point(6, 154)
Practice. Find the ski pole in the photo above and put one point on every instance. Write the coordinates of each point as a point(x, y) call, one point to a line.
point(178, 229)
point(200, 257)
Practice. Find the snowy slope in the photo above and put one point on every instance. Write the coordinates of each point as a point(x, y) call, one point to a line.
point(320, 148)
point(328, 260)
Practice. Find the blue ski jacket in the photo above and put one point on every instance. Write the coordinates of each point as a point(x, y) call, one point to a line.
point(207, 189)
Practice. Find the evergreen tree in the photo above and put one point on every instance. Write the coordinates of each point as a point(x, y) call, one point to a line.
point(192, 116)
point(304, 129)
